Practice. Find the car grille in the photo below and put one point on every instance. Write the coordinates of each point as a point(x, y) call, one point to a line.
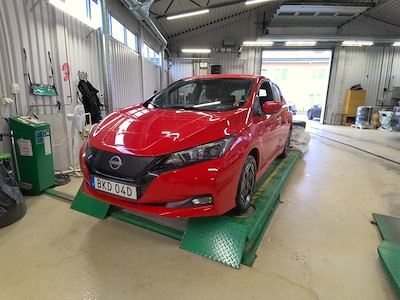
point(132, 168)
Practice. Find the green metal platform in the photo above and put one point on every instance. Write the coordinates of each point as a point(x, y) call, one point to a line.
point(390, 256)
point(389, 249)
point(228, 239)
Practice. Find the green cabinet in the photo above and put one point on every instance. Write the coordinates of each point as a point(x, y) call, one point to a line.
point(33, 154)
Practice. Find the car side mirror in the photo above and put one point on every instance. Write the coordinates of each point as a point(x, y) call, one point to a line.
point(271, 107)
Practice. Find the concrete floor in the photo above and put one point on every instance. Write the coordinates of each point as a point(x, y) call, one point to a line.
point(319, 245)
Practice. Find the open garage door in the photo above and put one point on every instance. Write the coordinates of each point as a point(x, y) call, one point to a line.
point(303, 77)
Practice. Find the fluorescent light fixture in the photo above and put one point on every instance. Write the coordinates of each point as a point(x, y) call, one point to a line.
point(258, 43)
point(250, 2)
point(396, 44)
point(196, 50)
point(194, 13)
point(300, 44)
point(76, 12)
point(357, 43)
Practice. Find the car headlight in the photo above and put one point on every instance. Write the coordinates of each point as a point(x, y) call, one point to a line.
point(200, 153)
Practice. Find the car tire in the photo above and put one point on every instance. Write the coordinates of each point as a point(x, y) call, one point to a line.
point(298, 123)
point(309, 115)
point(246, 186)
point(286, 150)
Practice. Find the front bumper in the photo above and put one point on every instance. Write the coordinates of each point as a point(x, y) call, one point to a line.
point(217, 178)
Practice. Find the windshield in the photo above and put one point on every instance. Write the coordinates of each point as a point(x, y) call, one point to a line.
point(216, 94)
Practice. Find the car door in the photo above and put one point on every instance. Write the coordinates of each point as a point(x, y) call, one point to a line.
point(266, 124)
point(283, 122)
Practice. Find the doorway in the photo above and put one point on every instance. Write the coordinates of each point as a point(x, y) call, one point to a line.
point(303, 77)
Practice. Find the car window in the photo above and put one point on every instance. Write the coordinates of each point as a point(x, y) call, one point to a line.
point(216, 94)
point(257, 110)
point(265, 93)
point(276, 93)
point(181, 95)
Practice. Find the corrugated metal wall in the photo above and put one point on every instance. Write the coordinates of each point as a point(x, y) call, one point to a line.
point(118, 10)
point(368, 27)
point(151, 79)
point(248, 61)
point(212, 36)
point(39, 28)
point(376, 68)
point(126, 76)
point(180, 69)
point(131, 75)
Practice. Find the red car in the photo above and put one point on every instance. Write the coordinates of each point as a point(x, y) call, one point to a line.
point(194, 149)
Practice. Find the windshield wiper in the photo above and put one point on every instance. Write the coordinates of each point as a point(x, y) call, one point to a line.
point(154, 105)
point(182, 107)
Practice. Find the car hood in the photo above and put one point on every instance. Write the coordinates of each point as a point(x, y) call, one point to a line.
point(151, 132)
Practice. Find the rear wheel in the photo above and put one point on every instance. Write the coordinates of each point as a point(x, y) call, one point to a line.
point(246, 185)
point(309, 115)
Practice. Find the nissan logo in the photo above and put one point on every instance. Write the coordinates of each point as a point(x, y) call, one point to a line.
point(115, 162)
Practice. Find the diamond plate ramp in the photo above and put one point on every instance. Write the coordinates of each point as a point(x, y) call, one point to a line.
point(89, 205)
point(389, 227)
point(217, 238)
point(390, 256)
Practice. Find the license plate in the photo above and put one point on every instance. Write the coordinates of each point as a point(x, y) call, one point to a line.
point(113, 187)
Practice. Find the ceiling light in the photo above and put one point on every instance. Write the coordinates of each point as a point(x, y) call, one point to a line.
point(258, 43)
point(250, 2)
point(357, 43)
point(196, 50)
point(397, 44)
point(301, 44)
point(198, 12)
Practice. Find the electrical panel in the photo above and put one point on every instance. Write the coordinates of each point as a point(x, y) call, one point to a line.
point(14, 88)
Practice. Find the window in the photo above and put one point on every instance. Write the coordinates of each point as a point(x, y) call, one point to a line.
point(86, 11)
point(265, 93)
point(150, 54)
point(200, 94)
point(122, 34)
point(94, 12)
point(117, 30)
point(131, 40)
point(276, 93)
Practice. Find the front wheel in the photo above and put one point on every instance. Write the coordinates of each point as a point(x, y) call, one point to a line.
point(246, 185)
point(286, 150)
point(309, 115)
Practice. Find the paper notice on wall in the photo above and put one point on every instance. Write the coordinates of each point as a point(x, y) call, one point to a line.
point(25, 147)
point(47, 145)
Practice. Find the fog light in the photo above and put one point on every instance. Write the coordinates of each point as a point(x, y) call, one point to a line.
point(197, 201)
point(202, 200)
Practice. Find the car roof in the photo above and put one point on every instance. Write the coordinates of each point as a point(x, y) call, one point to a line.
point(227, 76)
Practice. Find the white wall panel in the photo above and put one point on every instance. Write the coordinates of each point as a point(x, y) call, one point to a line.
point(180, 69)
point(369, 27)
point(126, 76)
point(376, 68)
point(212, 36)
point(39, 28)
point(151, 79)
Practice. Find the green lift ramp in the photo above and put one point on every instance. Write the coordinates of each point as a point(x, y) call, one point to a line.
point(228, 239)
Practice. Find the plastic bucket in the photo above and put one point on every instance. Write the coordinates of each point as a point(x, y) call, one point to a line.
point(385, 118)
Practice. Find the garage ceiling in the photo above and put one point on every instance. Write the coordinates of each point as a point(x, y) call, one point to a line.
point(276, 13)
